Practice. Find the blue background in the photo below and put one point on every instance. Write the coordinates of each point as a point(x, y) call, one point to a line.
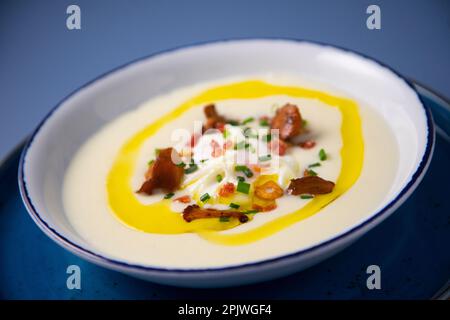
point(41, 61)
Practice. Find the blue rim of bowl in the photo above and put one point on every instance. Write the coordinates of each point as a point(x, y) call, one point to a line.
point(377, 217)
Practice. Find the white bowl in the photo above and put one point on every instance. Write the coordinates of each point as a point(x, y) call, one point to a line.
point(57, 138)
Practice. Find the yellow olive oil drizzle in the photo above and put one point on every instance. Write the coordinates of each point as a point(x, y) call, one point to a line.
point(159, 218)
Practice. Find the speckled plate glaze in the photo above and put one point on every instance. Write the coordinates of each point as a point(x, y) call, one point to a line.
point(410, 247)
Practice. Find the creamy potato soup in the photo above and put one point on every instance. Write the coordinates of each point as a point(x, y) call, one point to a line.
point(230, 172)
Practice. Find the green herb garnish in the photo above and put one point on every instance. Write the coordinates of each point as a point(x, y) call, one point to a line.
point(226, 134)
point(265, 158)
point(233, 122)
point(250, 133)
point(311, 172)
point(244, 169)
point(267, 137)
point(264, 123)
point(219, 178)
point(248, 120)
point(224, 219)
point(322, 155)
point(304, 123)
point(243, 187)
point(181, 164)
point(313, 165)
point(306, 196)
point(192, 168)
point(151, 162)
point(157, 151)
point(242, 179)
point(251, 211)
point(240, 145)
point(205, 197)
point(234, 205)
point(169, 195)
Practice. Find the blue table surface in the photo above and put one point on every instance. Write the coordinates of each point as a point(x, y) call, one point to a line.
point(41, 61)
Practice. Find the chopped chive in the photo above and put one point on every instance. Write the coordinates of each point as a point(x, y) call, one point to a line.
point(304, 123)
point(233, 122)
point(169, 195)
point(234, 205)
point(151, 162)
point(203, 160)
point(267, 157)
point(322, 155)
point(240, 168)
point(157, 151)
point(267, 137)
point(241, 179)
point(313, 165)
point(306, 196)
point(219, 178)
point(243, 187)
point(239, 145)
point(247, 145)
point(248, 120)
point(264, 123)
point(192, 168)
point(249, 133)
point(311, 172)
point(205, 197)
point(244, 169)
point(226, 134)
point(224, 219)
point(181, 164)
point(251, 211)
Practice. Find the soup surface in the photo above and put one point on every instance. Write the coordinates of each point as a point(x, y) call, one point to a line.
point(246, 188)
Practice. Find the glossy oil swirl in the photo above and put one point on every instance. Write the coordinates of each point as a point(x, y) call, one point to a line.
point(159, 218)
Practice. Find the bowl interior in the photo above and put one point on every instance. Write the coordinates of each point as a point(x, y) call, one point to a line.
point(75, 119)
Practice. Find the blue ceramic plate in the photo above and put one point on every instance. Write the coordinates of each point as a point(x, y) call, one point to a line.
point(411, 248)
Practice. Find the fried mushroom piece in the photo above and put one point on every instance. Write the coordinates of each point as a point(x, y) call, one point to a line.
point(213, 119)
point(288, 121)
point(310, 185)
point(194, 212)
point(163, 173)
